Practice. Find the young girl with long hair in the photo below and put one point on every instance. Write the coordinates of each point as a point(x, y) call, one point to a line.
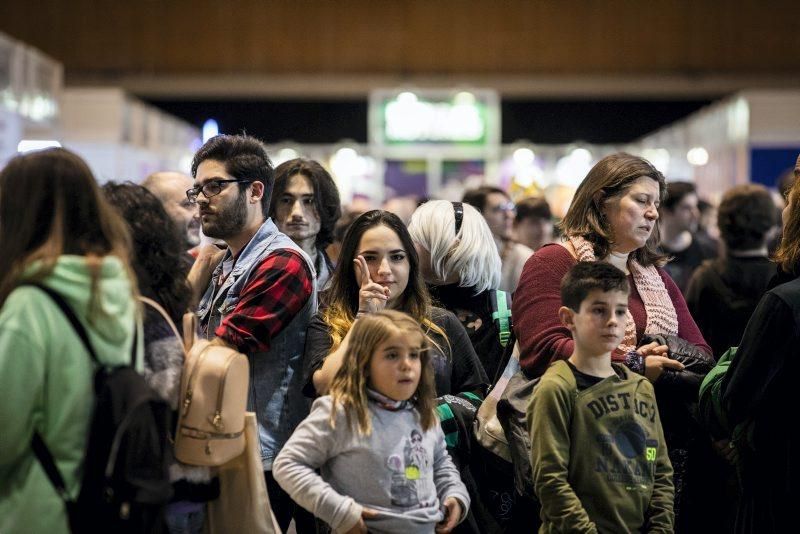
point(56, 229)
point(379, 269)
point(375, 437)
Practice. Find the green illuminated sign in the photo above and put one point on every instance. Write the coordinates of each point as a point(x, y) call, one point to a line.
point(408, 119)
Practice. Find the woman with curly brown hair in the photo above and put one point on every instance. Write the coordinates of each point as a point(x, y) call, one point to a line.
point(158, 260)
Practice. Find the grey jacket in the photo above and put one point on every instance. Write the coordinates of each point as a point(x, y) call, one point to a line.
point(399, 471)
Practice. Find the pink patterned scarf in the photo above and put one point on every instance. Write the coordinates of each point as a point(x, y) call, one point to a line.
point(661, 315)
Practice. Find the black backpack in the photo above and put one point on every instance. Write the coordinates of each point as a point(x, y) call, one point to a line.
point(125, 484)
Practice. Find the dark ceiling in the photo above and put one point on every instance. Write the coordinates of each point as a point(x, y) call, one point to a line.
point(597, 71)
point(320, 122)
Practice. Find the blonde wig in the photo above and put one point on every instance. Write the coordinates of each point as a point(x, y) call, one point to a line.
point(471, 253)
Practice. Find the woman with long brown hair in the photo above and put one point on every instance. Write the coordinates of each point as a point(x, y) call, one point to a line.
point(56, 229)
point(379, 268)
point(758, 393)
point(614, 218)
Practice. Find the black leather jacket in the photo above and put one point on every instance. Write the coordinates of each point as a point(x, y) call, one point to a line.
point(676, 391)
point(697, 363)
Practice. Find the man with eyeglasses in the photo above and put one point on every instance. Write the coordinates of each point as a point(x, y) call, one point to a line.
point(259, 296)
point(497, 208)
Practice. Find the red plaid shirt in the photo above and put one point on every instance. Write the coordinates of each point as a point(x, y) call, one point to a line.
point(268, 302)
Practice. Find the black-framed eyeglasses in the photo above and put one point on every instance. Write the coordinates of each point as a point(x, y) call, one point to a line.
point(458, 210)
point(211, 188)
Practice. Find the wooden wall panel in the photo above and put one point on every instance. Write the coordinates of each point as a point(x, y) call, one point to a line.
point(548, 37)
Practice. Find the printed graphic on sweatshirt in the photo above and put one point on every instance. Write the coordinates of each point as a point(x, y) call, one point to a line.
point(627, 454)
point(412, 474)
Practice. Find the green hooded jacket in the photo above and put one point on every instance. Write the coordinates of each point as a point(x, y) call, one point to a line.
point(46, 384)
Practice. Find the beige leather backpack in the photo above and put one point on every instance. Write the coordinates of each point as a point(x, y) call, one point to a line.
point(213, 398)
point(213, 401)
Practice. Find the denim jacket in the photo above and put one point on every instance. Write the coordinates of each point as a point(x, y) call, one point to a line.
point(276, 376)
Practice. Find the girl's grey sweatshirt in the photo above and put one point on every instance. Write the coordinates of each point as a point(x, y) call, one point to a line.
point(399, 470)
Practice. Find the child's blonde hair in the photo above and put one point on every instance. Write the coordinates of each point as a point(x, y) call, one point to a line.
point(349, 386)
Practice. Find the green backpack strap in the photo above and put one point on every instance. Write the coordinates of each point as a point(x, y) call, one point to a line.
point(710, 397)
point(501, 313)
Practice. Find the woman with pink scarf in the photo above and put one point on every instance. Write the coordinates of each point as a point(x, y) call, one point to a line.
point(614, 218)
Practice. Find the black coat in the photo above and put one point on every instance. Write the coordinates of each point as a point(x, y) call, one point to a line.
point(759, 390)
point(475, 313)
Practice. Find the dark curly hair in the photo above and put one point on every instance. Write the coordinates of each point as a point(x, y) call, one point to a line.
point(326, 194)
point(745, 215)
point(159, 258)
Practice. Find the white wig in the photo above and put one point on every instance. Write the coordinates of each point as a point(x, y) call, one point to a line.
point(472, 254)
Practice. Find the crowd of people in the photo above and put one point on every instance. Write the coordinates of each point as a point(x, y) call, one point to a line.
point(373, 340)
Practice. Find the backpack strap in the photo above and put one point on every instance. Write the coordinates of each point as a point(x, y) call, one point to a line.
point(156, 306)
point(49, 465)
point(40, 449)
point(78, 327)
point(189, 331)
point(72, 318)
point(189, 323)
point(501, 313)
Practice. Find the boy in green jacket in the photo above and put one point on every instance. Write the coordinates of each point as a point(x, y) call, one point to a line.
point(597, 448)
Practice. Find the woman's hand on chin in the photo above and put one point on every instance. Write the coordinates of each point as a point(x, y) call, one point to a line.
point(372, 296)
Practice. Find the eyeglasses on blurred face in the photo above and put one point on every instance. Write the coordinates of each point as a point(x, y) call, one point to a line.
point(505, 206)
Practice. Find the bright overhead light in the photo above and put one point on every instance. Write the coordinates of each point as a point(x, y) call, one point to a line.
point(285, 154)
point(27, 145)
point(581, 154)
point(346, 154)
point(531, 176)
point(659, 157)
point(464, 98)
point(407, 97)
point(572, 169)
point(697, 156)
point(523, 157)
point(210, 129)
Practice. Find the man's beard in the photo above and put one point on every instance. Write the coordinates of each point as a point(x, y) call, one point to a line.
point(228, 221)
point(192, 236)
